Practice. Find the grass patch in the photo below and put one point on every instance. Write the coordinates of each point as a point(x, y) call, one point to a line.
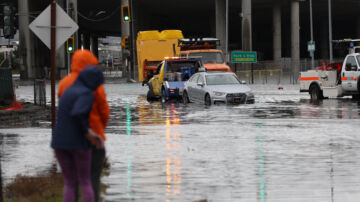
point(42, 187)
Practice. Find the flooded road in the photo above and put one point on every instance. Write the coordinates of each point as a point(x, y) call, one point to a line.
point(282, 148)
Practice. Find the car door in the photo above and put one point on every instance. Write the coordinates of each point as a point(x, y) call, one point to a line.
point(158, 80)
point(191, 87)
point(349, 74)
point(199, 89)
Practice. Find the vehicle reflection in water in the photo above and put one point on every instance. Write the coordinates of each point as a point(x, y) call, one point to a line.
point(330, 108)
point(173, 147)
point(261, 173)
point(168, 115)
point(129, 149)
point(150, 114)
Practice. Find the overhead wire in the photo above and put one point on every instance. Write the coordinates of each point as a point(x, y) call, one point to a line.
point(101, 19)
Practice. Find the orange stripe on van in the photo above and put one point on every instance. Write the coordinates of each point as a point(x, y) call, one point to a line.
point(309, 78)
point(344, 78)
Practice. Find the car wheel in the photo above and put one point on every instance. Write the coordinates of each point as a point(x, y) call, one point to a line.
point(207, 100)
point(150, 95)
point(315, 93)
point(163, 96)
point(185, 98)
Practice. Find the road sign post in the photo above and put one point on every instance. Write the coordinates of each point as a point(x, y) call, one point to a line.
point(53, 61)
point(53, 27)
point(245, 57)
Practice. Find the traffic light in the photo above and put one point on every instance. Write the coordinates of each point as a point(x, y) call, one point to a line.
point(125, 41)
point(9, 22)
point(125, 11)
point(70, 45)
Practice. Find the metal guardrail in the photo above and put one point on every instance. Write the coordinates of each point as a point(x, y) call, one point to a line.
point(283, 71)
point(6, 86)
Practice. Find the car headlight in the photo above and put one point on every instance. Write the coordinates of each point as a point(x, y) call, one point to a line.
point(218, 93)
point(250, 94)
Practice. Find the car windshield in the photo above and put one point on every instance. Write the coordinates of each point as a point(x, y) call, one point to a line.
point(221, 79)
point(209, 57)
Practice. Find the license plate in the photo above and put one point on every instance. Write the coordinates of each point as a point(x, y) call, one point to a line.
point(237, 99)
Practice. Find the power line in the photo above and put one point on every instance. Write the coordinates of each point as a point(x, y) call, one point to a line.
point(101, 19)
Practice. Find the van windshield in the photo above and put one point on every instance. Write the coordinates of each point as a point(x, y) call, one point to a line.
point(209, 57)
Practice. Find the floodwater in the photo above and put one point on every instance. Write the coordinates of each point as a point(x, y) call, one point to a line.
point(282, 148)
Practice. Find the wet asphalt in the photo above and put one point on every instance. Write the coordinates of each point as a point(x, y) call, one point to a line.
point(282, 148)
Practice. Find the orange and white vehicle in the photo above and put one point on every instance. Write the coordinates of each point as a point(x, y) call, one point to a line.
point(206, 49)
point(337, 80)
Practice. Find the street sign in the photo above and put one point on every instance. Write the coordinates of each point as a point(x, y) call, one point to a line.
point(65, 26)
point(243, 57)
point(311, 46)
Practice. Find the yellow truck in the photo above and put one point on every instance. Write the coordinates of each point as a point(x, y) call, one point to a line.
point(152, 47)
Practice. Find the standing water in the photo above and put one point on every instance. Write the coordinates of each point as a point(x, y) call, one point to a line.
point(282, 148)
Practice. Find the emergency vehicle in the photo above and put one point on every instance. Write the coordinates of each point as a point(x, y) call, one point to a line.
point(334, 80)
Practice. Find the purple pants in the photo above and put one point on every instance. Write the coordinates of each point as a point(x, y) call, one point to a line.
point(76, 163)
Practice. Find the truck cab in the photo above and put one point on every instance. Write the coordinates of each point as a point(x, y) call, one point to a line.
point(333, 82)
point(350, 74)
point(205, 48)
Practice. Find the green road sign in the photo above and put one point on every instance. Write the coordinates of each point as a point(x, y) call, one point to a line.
point(243, 57)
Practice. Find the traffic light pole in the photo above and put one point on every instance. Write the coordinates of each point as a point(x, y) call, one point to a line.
point(53, 61)
point(68, 54)
point(131, 42)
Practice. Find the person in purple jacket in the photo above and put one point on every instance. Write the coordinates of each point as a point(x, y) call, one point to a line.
point(72, 134)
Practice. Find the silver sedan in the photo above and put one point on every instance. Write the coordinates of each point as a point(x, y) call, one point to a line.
point(217, 87)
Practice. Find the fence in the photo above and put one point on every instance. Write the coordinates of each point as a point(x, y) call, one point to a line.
point(283, 71)
point(39, 92)
point(6, 86)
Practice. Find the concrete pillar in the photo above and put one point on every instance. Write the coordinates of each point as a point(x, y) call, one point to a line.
point(26, 48)
point(295, 38)
point(246, 25)
point(220, 20)
point(277, 31)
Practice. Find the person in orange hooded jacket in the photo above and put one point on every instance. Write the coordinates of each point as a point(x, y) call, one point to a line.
point(99, 115)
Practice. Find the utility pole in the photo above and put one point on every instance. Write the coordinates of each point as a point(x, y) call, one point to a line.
point(68, 54)
point(312, 35)
point(53, 61)
point(131, 41)
point(227, 31)
point(330, 33)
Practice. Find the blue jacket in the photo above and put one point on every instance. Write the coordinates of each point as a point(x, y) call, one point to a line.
point(73, 111)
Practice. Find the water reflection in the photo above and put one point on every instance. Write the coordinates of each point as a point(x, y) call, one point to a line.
point(330, 108)
point(173, 147)
point(260, 152)
point(129, 149)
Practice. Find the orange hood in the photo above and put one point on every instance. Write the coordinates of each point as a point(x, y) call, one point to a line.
point(217, 67)
point(82, 59)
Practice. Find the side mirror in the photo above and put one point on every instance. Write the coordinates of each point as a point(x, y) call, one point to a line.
point(200, 84)
point(243, 82)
